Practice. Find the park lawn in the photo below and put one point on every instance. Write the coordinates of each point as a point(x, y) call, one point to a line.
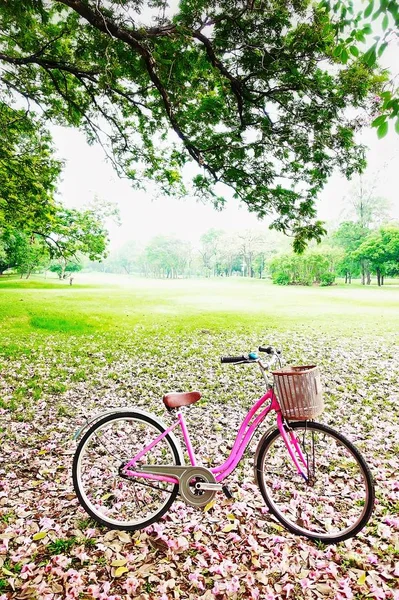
point(114, 304)
point(70, 351)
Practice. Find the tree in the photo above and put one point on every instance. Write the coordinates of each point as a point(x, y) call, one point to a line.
point(127, 257)
point(381, 249)
point(313, 266)
point(167, 256)
point(28, 211)
point(67, 235)
point(211, 244)
point(21, 252)
point(255, 94)
point(64, 268)
point(365, 207)
point(228, 255)
point(72, 232)
point(250, 243)
point(368, 210)
point(349, 236)
point(31, 255)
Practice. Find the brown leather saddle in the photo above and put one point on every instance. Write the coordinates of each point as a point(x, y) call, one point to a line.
point(178, 399)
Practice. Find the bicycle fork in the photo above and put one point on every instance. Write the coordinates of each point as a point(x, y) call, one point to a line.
point(294, 448)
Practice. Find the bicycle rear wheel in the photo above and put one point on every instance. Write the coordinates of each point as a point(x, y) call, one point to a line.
point(104, 491)
point(335, 502)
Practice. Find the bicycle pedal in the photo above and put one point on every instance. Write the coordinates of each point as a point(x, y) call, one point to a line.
point(227, 492)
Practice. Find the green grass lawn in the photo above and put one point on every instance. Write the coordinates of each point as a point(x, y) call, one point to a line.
point(115, 304)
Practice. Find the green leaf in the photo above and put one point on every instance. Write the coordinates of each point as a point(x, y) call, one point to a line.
point(382, 48)
point(382, 130)
point(397, 125)
point(338, 50)
point(369, 9)
point(370, 57)
point(385, 23)
point(367, 29)
point(379, 121)
point(360, 37)
point(39, 535)
point(344, 56)
point(354, 50)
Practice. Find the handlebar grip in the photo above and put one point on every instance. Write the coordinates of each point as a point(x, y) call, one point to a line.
point(233, 359)
point(267, 349)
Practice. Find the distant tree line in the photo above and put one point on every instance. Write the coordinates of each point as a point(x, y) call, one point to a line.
point(351, 251)
point(218, 253)
point(363, 245)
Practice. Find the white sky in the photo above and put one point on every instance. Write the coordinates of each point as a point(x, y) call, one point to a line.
point(87, 174)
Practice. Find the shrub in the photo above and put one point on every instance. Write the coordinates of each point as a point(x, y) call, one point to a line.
point(281, 278)
point(327, 279)
point(306, 281)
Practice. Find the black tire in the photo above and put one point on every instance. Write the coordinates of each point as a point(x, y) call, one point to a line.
point(112, 499)
point(337, 500)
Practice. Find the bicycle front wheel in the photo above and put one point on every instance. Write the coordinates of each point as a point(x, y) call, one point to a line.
point(336, 500)
point(104, 491)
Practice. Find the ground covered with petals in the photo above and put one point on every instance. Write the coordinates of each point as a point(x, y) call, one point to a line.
point(51, 380)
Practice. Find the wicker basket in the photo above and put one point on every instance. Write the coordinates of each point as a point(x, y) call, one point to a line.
point(298, 390)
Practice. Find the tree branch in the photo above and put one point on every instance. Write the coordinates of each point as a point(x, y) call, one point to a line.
point(134, 39)
point(47, 64)
point(235, 84)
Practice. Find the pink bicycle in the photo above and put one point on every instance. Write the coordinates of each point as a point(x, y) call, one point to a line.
point(129, 467)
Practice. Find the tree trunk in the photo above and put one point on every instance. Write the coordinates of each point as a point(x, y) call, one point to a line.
point(382, 279)
point(368, 277)
point(349, 277)
point(378, 277)
point(363, 275)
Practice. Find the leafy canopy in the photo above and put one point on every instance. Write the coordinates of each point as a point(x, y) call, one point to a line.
point(254, 93)
point(28, 172)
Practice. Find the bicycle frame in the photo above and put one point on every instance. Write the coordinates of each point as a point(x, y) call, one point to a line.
point(243, 438)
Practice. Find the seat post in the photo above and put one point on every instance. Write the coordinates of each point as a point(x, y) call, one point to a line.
point(186, 436)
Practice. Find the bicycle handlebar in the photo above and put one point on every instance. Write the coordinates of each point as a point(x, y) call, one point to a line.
point(267, 349)
point(251, 357)
point(234, 359)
